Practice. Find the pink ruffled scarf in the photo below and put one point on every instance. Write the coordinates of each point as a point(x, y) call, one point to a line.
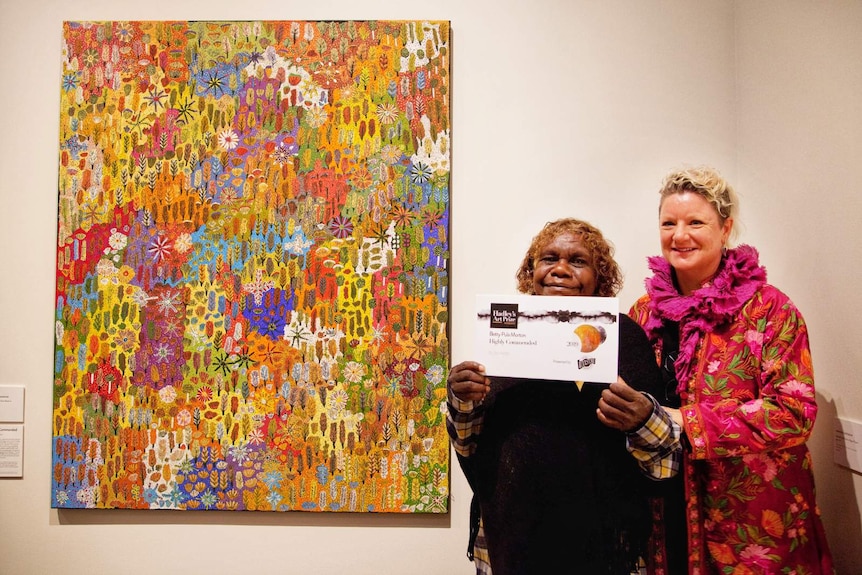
point(717, 303)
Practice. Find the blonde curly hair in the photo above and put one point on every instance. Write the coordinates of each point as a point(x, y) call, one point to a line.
point(707, 183)
point(609, 278)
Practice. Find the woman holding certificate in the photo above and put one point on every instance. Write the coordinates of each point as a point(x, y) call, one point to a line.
point(734, 353)
point(555, 489)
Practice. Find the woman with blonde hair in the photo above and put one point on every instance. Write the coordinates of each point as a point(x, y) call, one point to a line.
point(735, 357)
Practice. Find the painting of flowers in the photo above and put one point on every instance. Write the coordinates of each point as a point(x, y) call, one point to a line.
point(252, 266)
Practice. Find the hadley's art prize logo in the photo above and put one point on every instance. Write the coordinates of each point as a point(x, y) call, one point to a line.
point(504, 315)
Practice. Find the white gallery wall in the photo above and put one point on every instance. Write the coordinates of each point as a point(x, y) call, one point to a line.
point(559, 108)
point(798, 115)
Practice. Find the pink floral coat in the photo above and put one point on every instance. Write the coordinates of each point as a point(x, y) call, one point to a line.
point(748, 408)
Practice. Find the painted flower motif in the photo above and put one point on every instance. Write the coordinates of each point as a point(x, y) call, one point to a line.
point(183, 243)
point(337, 402)
point(390, 154)
point(228, 139)
point(205, 393)
point(434, 374)
point(168, 394)
point(239, 453)
point(229, 194)
point(160, 248)
point(270, 324)
point(124, 31)
point(90, 57)
point(258, 287)
point(311, 92)
point(163, 353)
point(106, 271)
point(125, 339)
point(155, 96)
point(361, 179)
point(353, 372)
point(255, 437)
point(402, 216)
point(184, 418)
point(169, 302)
point(315, 117)
point(126, 274)
point(282, 154)
point(431, 217)
point(141, 298)
point(298, 244)
point(713, 366)
point(341, 227)
point(329, 75)
point(387, 113)
point(796, 389)
point(208, 499)
point(273, 479)
point(70, 81)
point(297, 334)
point(420, 173)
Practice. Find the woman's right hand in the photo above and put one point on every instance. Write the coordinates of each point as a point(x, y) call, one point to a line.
point(467, 381)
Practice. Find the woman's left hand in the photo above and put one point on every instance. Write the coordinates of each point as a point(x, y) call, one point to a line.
point(623, 407)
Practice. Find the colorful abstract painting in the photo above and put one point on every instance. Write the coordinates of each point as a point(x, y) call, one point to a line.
point(252, 280)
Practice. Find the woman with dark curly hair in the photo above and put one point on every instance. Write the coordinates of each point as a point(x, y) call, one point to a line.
point(555, 490)
point(609, 278)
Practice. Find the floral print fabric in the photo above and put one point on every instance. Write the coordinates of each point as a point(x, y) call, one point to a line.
point(749, 407)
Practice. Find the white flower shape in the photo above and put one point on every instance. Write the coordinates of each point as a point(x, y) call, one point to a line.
point(118, 240)
point(183, 243)
point(354, 372)
point(228, 139)
point(168, 394)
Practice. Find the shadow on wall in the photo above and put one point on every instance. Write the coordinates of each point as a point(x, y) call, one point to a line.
point(836, 495)
point(292, 518)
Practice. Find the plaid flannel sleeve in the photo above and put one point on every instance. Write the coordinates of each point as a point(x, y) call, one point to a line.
point(463, 422)
point(657, 444)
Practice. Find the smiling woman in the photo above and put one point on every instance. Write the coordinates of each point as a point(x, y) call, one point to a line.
point(695, 229)
point(574, 244)
point(555, 490)
point(563, 267)
point(734, 353)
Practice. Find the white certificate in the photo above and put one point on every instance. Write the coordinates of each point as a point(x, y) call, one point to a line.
point(548, 337)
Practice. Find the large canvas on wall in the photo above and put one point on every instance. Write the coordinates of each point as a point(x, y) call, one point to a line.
point(251, 308)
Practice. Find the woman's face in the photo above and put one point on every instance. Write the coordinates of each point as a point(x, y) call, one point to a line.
point(692, 238)
point(563, 266)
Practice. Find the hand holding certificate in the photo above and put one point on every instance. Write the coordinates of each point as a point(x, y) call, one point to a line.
point(548, 337)
point(519, 439)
